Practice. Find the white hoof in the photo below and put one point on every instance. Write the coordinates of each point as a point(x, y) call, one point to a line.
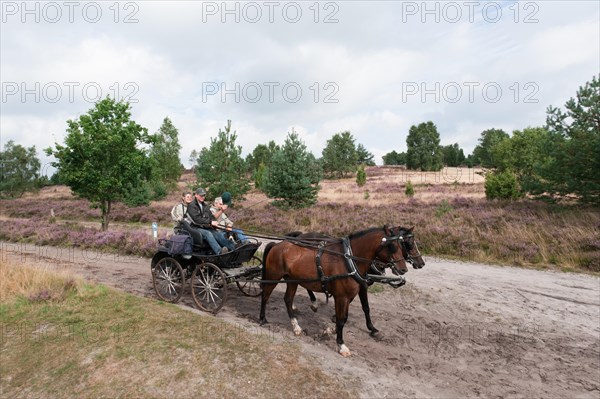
point(344, 351)
point(296, 327)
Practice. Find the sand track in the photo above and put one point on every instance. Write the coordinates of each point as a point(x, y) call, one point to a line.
point(455, 330)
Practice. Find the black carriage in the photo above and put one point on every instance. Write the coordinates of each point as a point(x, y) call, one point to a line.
point(207, 275)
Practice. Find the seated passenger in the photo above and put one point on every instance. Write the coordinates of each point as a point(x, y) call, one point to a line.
point(218, 210)
point(201, 219)
point(179, 211)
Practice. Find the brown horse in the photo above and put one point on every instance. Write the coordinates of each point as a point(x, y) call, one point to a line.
point(338, 267)
point(410, 252)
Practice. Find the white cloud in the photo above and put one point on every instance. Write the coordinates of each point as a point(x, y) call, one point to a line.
point(366, 57)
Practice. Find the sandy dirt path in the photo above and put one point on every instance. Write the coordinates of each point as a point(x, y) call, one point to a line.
point(454, 330)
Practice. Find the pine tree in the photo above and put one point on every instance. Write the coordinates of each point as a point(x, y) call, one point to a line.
point(361, 176)
point(294, 175)
point(221, 168)
point(165, 155)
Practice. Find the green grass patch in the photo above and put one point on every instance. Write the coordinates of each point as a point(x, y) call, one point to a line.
point(97, 342)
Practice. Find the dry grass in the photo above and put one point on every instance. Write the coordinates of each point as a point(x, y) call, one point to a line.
point(22, 281)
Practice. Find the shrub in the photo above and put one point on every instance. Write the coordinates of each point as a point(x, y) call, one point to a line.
point(502, 185)
point(409, 191)
point(361, 176)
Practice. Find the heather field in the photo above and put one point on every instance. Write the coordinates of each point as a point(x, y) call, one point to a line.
point(452, 218)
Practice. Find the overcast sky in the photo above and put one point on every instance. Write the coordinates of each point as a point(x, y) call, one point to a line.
point(373, 68)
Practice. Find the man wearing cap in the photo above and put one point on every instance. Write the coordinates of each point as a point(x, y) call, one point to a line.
point(218, 210)
point(202, 219)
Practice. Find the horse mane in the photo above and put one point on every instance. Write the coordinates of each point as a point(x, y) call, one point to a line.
point(372, 229)
point(363, 232)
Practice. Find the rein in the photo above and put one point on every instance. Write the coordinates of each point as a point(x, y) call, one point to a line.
point(321, 244)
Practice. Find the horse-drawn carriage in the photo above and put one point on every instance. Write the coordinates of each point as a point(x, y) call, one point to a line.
point(207, 275)
point(341, 267)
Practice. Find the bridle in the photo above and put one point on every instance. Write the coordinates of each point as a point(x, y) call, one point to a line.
point(387, 242)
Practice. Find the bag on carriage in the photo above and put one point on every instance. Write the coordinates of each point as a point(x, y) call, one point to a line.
point(180, 244)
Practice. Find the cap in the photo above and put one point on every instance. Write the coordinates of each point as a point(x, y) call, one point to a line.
point(201, 191)
point(226, 198)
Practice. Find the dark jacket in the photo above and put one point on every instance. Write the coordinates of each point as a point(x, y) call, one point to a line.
point(200, 214)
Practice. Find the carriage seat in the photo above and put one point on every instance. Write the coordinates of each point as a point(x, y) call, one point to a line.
point(198, 241)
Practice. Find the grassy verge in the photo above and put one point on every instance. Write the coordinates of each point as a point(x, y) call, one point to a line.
point(64, 338)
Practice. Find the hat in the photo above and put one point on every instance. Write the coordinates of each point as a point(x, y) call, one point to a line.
point(201, 191)
point(226, 198)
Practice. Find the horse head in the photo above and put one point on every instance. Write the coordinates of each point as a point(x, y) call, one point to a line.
point(410, 251)
point(390, 253)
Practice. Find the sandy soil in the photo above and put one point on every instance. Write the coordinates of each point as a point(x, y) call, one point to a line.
point(454, 330)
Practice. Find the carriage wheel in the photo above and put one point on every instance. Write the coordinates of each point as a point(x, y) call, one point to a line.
point(209, 287)
point(168, 279)
point(251, 288)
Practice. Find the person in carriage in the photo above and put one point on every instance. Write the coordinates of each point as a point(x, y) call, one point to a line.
point(179, 211)
point(200, 220)
point(218, 209)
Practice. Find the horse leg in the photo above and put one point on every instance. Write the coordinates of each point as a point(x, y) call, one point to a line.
point(364, 301)
point(290, 292)
point(266, 293)
point(341, 316)
point(314, 302)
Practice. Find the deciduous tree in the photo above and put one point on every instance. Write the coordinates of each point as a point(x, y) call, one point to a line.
point(482, 154)
point(339, 156)
point(101, 159)
point(423, 148)
point(19, 170)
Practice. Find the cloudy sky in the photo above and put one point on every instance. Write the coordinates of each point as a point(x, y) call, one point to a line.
point(373, 68)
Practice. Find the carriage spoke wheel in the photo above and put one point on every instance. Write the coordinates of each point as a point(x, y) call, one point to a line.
point(168, 279)
point(209, 287)
point(251, 288)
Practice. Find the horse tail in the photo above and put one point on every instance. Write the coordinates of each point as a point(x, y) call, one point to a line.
point(265, 254)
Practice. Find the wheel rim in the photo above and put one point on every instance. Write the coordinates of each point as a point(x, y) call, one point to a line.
point(168, 280)
point(251, 288)
point(209, 287)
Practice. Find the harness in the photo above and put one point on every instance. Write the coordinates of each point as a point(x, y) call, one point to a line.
point(350, 262)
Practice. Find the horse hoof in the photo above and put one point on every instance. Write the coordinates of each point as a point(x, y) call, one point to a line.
point(262, 322)
point(296, 327)
point(344, 351)
point(377, 335)
point(314, 308)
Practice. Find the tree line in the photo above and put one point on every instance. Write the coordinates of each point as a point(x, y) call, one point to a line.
point(108, 157)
